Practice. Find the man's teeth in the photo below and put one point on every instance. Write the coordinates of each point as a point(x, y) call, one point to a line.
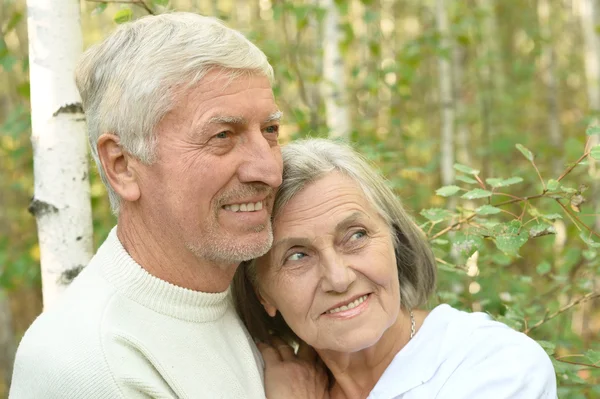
point(247, 207)
point(351, 305)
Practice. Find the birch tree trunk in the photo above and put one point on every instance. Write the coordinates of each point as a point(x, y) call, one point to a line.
point(338, 117)
point(589, 17)
point(61, 203)
point(447, 106)
point(463, 139)
point(548, 66)
point(588, 10)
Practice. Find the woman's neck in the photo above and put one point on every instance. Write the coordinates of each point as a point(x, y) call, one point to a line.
point(356, 373)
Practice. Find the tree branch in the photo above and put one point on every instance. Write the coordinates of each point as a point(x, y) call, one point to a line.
point(139, 3)
point(587, 297)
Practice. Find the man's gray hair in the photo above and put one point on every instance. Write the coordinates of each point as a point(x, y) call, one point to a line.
point(307, 161)
point(128, 82)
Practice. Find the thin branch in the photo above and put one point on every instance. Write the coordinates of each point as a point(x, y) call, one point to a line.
point(570, 168)
point(573, 216)
point(453, 225)
point(508, 195)
point(587, 297)
point(539, 175)
point(139, 3)
point(579, 364)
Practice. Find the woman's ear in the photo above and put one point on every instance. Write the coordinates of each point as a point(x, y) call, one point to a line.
point(269, 308)
point(118, 167)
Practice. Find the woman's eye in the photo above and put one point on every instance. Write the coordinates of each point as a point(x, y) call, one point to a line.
point(358, 235)
point(272, 129)
point(222, 135)
point(296, 256)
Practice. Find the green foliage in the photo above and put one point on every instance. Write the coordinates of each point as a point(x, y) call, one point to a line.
point(512, 237)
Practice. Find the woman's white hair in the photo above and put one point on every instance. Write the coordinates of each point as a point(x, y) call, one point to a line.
point(306, 161)
point(128, 82)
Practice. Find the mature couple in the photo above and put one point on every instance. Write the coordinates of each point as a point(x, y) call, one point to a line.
point(326, 302)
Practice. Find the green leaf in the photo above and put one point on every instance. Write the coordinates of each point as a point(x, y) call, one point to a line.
point(589, 241)
point(436, 214)
point(466, 244)
point(123, 15)
point(465, 169)
point(477, 193)
point(548, 346)
point(568, 190)
point(543, 268)
point(487, 210)
point(593, 356)
point(526, 153)
point(163, 3)
point(552, 185)
point(447, 191)
point(99, 8)
point(496, 182)
point(541, 229)
point(439, 241)
point(510, 244)
point(592, 130)
point(595, 152)
point(466, 179)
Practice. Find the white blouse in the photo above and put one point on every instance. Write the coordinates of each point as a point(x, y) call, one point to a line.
point(460, 355)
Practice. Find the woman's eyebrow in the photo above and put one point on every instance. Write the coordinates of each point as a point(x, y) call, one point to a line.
point(349, 221)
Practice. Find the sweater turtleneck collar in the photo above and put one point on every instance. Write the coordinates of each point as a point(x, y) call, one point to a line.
point(135, 283)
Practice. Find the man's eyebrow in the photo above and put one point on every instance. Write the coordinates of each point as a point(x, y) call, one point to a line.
point(274, 117)
point(224, 119)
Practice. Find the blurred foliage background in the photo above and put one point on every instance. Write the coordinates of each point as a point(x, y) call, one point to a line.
point(515, 225)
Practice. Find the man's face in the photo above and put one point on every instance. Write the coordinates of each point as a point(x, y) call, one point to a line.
point(211, 188)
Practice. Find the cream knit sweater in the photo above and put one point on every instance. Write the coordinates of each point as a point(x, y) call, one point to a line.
point(119, 332)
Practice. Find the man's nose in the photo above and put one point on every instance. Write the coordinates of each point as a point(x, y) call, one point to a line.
point(262, 162)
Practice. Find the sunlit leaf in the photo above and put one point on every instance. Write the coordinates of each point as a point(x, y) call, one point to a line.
point(526, 153)
point(510, 244)
point(466, 179)
point(436, 214)
point(592, 130)
point(593, 356)
point(447, 191)
point(465, 169)
point(487, 210)
point(589, 241)
point(595, 152)
point(476, 193)
point(123, 15)
point(552, 185)
point(496, 182)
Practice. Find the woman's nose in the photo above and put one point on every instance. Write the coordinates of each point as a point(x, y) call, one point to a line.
point(337, 275)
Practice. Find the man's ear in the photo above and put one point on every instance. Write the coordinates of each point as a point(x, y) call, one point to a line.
point(118, 167)
point(269, 308)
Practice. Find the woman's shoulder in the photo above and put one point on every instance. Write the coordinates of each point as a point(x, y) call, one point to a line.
point(474, 347)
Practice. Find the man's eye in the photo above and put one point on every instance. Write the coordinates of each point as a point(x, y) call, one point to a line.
point(296, 256)
point(272, 129)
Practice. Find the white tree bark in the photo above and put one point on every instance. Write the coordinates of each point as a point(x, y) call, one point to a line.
point(588, 10)
point(548, 66)
point(61, 202)
point(446, 103)
point(334, 85)
point(463, 139)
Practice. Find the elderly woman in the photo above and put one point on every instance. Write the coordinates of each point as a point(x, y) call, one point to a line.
point(347, 274)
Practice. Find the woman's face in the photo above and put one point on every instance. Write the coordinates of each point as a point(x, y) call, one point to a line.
point(332, 270)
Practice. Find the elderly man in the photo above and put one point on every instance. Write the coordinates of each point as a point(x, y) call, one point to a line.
point(183, 127)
